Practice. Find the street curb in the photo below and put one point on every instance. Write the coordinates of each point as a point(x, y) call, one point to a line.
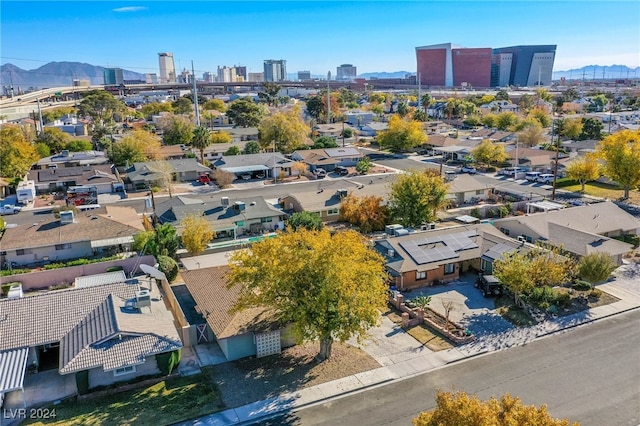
point(569, 327)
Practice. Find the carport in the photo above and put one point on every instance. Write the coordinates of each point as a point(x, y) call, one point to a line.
point(13, 365)
point(247, 169)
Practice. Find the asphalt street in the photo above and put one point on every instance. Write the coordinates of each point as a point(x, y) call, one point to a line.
point(589, 374)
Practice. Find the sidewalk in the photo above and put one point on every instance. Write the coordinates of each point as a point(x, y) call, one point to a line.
point(417, 362)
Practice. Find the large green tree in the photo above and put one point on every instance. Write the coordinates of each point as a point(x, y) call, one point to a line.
point(17, 154)
point(620, 153)
point(245, 113)
point(182, 106)
point(402, 135)
point(101, 106)
point(178, 130)
point(137, 146)
point(163, 241)
point(307, 220)
point(54, 138)
point(328, 287)
point(416, 197)
point(591, 129)
point(269, 93)
point(315, 106)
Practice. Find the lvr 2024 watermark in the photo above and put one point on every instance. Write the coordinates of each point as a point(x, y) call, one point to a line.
point(29, 413)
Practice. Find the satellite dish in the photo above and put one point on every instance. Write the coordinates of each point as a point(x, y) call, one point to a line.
point(154, 272)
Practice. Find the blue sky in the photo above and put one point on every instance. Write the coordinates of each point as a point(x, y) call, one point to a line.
point(315, 36)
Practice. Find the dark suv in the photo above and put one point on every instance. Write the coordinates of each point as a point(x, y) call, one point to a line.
point(342, 171)
point(489, 285)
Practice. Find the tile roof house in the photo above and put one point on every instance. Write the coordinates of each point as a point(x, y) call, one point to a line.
point(228, 217)
point(87, 234)
point(108, 332)
point(269, 164)
point(423, 258)
point(55, 179)
point(580, 230)
point(329, 158)
point(237, 334)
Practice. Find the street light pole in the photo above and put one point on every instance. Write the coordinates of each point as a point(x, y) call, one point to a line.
point(555, 165)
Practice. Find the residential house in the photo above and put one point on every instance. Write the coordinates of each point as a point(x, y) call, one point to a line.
point(372, 129)
point(70, 125)
point(329, 158)
point(468, 189)
point(424, 258)
point(102, 334)
point(359, 118)
point(579, 230)
point(325, 202)
point(229, 218)
point(72, 159)
point(55, 179)
point(499, 106)
point(459, 151)
point(252, 332)
point(100, 232)
point(267, 165)
point(538, 160)
point(171, 152)
point(144, 175)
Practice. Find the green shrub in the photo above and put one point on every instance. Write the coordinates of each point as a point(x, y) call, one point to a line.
point(6, 273)
point(169, 267)
point(60, 286)
point(581, 285)
point(476, 213)
point(54, 266)
point(631, 239)
point(78, 262)
point(595, 293)
point(562, 298)
point(114, 268)
point(491, 169)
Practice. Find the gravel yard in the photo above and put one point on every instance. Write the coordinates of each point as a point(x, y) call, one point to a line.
point(248, 380)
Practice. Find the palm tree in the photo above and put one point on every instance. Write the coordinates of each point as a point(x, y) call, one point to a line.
point(200, 140)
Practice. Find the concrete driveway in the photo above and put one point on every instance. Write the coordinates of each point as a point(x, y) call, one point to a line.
point(470, 308)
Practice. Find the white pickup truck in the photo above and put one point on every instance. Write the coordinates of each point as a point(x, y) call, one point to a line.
point(9, 209)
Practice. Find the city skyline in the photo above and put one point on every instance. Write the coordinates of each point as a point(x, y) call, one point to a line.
point(315, 36)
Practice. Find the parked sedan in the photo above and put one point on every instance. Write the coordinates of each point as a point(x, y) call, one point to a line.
point(468, 169)
point(545, 178)
point(9, 209)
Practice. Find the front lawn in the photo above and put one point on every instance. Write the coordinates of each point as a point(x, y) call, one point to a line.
point(166, 402)
point(599, 189)
point(506, 308)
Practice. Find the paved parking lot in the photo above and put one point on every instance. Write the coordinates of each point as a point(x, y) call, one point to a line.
point(470, 308)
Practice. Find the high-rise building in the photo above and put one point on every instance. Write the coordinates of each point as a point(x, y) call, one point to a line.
point(167, 68)
point(449, 65)
point(113, 76)
point(241, 72)
point(304, 75)
point(275, 70)
point(208, 77)
point(151, 78)
point(522, 65)
point(346, 72)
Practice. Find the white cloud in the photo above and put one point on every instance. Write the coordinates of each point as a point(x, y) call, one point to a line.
point(130, 9)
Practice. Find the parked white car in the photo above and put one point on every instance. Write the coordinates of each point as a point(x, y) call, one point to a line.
point(511, 171)
point(545, 178)
point(468, 169)
point(9, 209)
point(320, 173)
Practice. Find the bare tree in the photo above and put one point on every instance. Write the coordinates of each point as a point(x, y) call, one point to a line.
point(223, 178)
point(448, 308)
point(165, 172)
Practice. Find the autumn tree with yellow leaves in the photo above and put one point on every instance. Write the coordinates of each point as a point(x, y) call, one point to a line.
point(328, 287)
point(369, 213)
point(461, 409)
point(196, 233)
point(620, 153)
point(402, 134)
point(17, 154)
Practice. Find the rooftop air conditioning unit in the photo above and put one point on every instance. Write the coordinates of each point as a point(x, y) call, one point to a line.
point(66, 216)
point(522, 238)
point(240, 206)
point(224, 201)
point(143, 298)
point(342, 193)
point(391, 252)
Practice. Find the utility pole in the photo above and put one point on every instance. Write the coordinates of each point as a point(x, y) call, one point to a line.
point(40, 117)
point(555, 164)
point(328, 97)
point(195, 94)
point(419, 93)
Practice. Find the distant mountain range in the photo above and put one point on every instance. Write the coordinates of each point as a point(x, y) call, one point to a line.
point(598, 72)
point(56, 74)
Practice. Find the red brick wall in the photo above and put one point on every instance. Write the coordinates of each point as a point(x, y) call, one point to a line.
point(431, 66)
point(472, 66)
point(408, 280)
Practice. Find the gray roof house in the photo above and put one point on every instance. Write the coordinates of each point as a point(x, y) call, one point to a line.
point(183, 170)
point(329, 158)
point(269, 164)
point(580, 230)
point(106, 333)
point(229, 217)
point(54, 179)
point(70, 159)
point(87, 234)
point(239, 335)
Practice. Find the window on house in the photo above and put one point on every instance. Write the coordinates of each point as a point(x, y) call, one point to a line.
point(527, 238)
point(421, 275)
point(21, 252)
point(449, 268)
point(479, 192)
point(333, 211)
point(266, 220)
point(124, 370)
point(505, 231)
point(241, 223)
point(63, 246)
